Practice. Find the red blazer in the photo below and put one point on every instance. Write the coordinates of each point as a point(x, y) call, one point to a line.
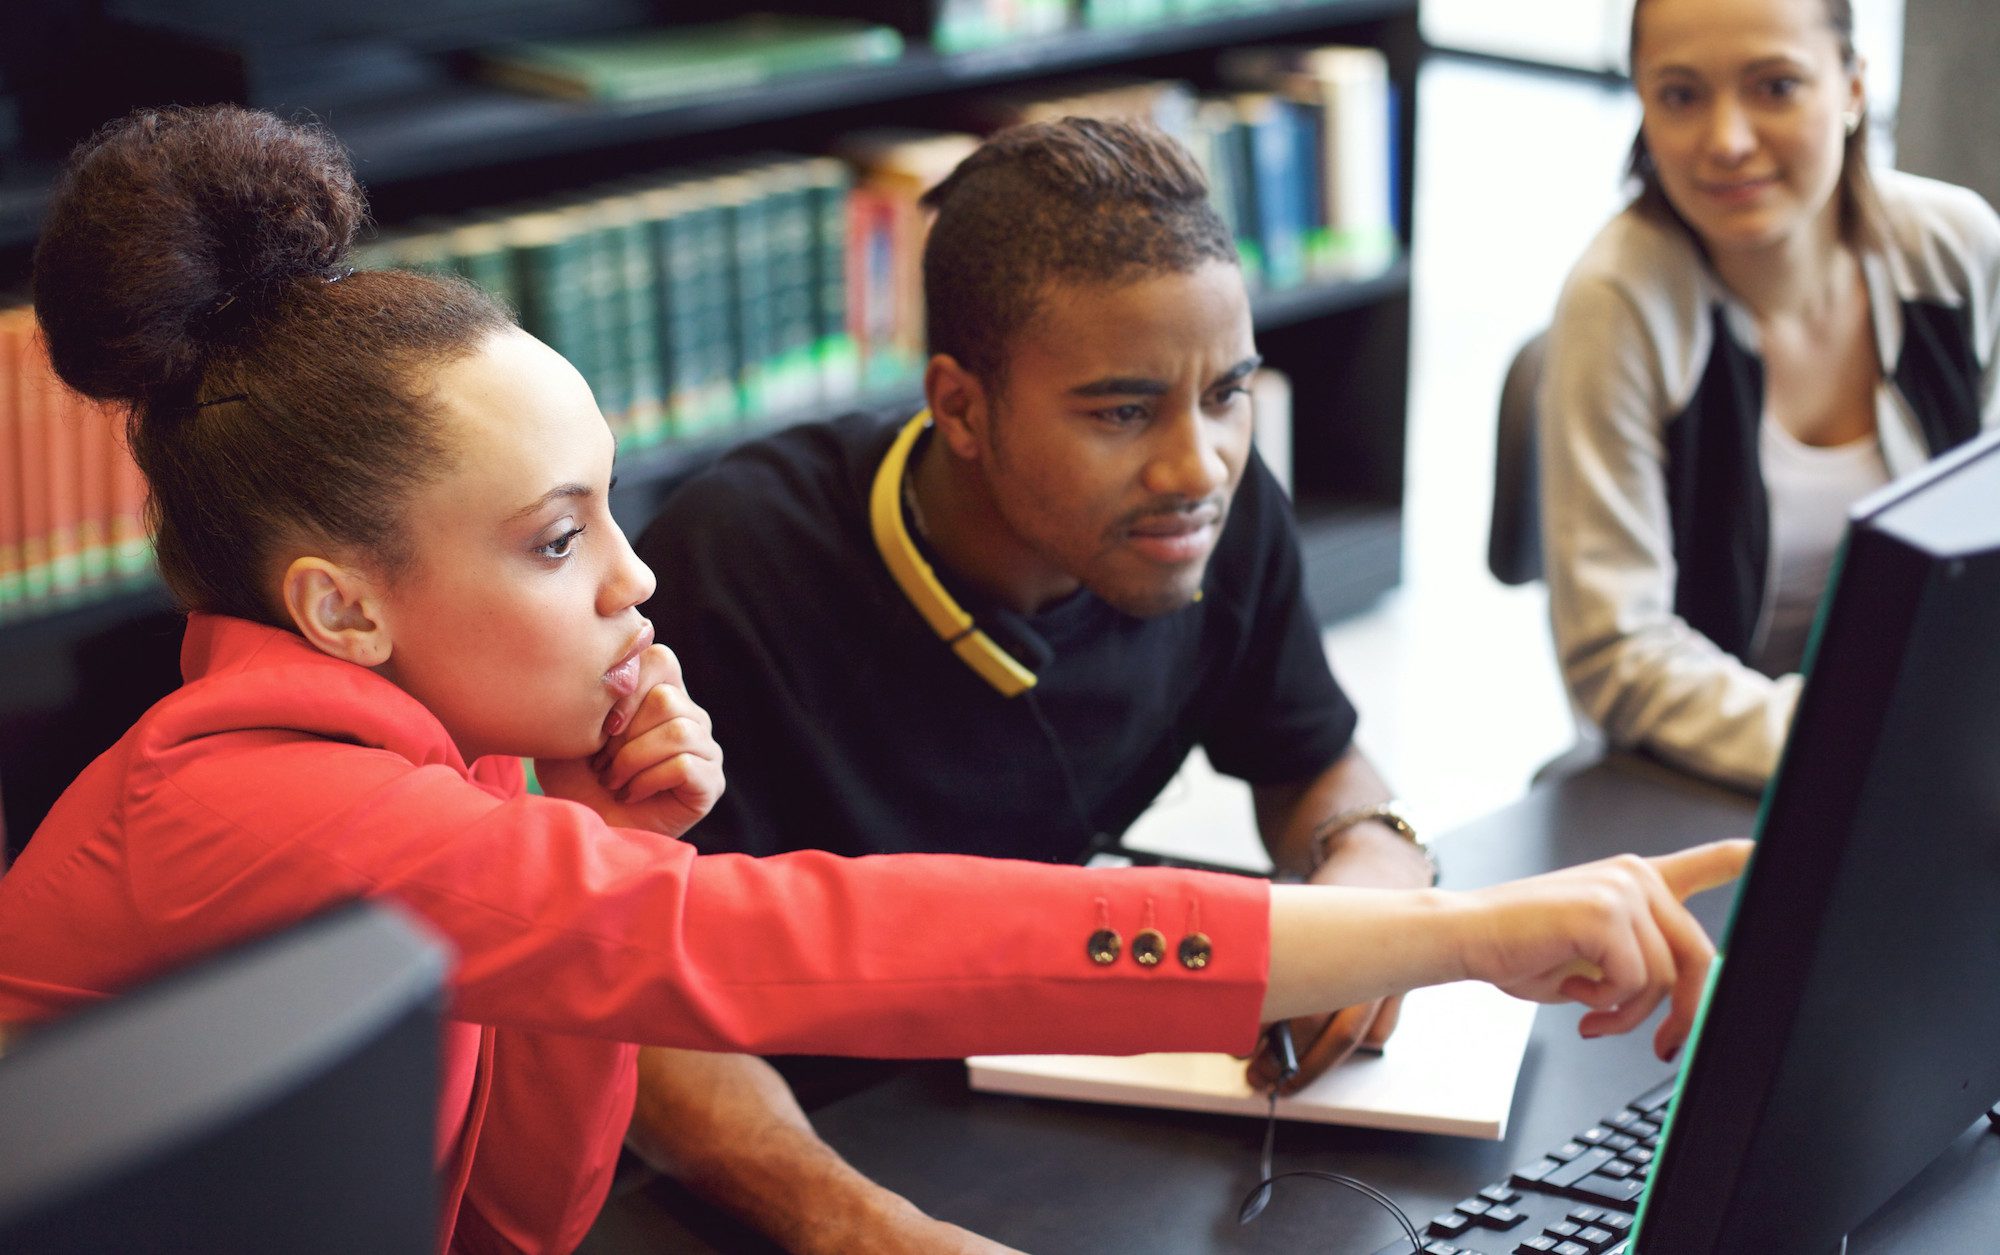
point(278, 781)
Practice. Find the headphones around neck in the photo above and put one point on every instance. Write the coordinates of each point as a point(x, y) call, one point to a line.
point(913, 574)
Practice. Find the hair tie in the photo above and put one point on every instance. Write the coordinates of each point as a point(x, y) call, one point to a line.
point(337, 274)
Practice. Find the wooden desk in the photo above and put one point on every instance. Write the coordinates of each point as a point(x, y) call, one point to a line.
point(1053, 1177)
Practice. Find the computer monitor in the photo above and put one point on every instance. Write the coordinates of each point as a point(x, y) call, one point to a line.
point(280, 1097)
point(1852, 1029)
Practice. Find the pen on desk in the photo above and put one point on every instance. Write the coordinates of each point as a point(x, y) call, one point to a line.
point(1284, 1052)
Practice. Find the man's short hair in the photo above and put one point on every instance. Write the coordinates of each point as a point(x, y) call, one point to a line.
point(1079, 200)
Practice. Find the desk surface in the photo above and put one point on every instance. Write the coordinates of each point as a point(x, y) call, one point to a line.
point(1053, 1177)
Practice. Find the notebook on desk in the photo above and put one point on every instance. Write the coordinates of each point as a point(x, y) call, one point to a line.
point(1450, 1068)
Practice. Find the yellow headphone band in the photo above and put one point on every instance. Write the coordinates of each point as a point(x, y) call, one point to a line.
point(920, 583)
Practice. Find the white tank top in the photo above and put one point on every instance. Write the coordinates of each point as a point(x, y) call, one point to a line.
point(1810, 489)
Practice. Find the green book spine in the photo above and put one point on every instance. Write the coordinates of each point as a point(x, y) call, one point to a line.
point(699, 319)
point(480, 253)
point(630, 231)
point(720, 397)
point(794, 299)
point(600, 307)
point(834, 348)
point(749, 248)
point(551, 272)
point(665, 206)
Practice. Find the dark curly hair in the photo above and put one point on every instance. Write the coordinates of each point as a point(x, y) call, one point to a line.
point(1078, 200)
point(190, 269)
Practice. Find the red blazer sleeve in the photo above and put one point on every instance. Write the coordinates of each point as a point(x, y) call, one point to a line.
point(565, 924)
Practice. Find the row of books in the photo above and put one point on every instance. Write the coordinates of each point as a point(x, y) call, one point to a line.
point(690, 300)
point(789, 284)
point(1300, 152)
point(72, 502)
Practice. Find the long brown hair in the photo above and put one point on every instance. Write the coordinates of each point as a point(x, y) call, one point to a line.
point(1860, 206)
point(191, 269)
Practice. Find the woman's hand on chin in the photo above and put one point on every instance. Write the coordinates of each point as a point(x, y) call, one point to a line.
point(661, 772)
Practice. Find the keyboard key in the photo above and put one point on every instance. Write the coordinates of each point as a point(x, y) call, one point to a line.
point(1644, 1129)
point(1617, 1222)
point(1594, 1135)
point(1564, 1229)
point(1531, 1174)
point(1571, 1248)
point(1474, 1207)
point(1610, 1189)
point(1656, 1098)
point(1586, 1215)
point(1449, 1225)
point(1578, 1168)
point(1637, 1155)
point(1618, 1169)
point(1596, 1237)
point(1441, 1248)
point(1567, 1151)
point(1501, 1217)
point(1500, 1194)
point(1536, 1245)
point(1621, 1141)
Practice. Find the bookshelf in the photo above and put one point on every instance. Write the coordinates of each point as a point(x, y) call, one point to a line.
point(80, 673)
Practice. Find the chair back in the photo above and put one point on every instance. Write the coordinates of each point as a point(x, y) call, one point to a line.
point(1514, 540)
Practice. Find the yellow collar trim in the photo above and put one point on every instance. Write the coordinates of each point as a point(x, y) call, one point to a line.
point(920, 583)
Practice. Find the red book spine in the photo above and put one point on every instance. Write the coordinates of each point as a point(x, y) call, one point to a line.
point(32, 458)
point(131, 550)
point(11, 591)
point(94, 471)
point(63, 450)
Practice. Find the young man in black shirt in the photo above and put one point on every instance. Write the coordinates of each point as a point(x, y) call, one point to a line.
point(999, 627)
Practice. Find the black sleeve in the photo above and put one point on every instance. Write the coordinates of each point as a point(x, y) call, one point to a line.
point(1282, 717)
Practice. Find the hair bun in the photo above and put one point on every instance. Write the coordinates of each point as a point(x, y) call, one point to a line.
point(172, 229)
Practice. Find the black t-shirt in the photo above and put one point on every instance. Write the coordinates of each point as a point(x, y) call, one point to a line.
point(848, 725)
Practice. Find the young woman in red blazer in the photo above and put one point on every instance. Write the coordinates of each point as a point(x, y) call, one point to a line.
point(385, 507)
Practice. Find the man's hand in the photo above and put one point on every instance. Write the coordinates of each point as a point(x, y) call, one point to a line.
point(659, 769)
point(728, 1127)
point(1370, 855)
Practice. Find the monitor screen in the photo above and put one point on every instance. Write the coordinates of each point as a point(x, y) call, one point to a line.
point(1850, 1031)
point(279, 1097)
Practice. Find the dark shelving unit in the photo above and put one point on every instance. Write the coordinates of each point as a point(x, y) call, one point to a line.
point(72, 679)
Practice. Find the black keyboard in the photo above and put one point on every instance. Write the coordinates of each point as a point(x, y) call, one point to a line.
point(1578, 1199)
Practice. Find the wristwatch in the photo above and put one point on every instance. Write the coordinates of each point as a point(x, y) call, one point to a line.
point(1391, 813)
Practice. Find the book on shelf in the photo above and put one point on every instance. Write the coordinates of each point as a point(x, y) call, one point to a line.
point(894, 167)
point(1352, 99)
point(687, 299)
point(669, 63)
point(965, 25)
point(71, 500)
